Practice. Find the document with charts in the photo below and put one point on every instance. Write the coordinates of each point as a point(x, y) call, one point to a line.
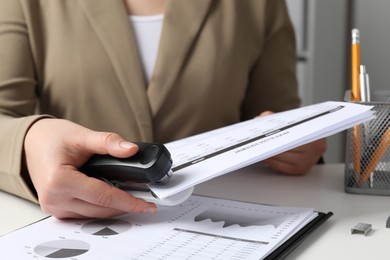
point(200, 228)
point(201, 157)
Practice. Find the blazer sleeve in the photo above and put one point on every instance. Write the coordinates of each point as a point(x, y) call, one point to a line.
point(273, 83)
point(17, 97)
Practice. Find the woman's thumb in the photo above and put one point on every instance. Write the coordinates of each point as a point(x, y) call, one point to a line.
point(109, 143)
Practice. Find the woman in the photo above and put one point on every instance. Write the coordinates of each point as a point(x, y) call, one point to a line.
point(76, 80)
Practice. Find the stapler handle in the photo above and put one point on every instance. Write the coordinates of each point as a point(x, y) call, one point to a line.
point(151, 164)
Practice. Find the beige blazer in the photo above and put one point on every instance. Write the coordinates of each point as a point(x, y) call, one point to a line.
point(219, 62)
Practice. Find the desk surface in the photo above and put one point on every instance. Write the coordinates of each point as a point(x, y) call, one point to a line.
point(322, 189)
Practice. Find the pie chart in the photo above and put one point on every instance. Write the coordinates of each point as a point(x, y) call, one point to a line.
point(106, 227)
point(62, 248)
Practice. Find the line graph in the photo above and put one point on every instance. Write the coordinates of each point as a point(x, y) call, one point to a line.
point(242, 218)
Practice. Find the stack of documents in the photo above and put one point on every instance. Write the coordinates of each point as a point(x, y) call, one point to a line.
point(202, 157)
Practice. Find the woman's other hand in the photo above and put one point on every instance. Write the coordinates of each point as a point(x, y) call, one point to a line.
point(299, 160)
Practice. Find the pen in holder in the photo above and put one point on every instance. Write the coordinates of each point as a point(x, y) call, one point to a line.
point(367, 167)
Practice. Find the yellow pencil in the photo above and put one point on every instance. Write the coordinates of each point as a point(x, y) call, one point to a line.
point(384, 144)
point(355, 97)
point(356, 148)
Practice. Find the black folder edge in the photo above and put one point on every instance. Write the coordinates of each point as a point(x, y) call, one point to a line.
point(293, 242)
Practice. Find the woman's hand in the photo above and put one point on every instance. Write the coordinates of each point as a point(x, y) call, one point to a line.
point(298, 160)
point(55, 149)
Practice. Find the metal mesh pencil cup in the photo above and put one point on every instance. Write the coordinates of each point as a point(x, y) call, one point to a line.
point(367, 161)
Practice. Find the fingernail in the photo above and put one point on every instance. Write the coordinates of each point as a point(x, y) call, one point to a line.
point(150, 210)
point(126, 145)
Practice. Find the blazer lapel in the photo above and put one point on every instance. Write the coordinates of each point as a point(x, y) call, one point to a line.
point(110, 21)
point(182, 22)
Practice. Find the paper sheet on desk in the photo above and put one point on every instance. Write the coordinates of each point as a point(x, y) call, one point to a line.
point(200, 228)
point(202, 157)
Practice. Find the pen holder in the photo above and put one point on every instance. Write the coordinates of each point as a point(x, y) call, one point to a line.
point(367, 167)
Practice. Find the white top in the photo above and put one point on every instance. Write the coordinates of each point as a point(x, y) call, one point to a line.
point(147, 30)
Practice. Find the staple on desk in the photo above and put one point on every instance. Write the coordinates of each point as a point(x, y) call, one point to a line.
point(361, 228)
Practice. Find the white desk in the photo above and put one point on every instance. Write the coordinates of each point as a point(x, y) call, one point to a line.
point(322, 188)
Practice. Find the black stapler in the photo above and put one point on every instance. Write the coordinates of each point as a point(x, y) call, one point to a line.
point(150, 165)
